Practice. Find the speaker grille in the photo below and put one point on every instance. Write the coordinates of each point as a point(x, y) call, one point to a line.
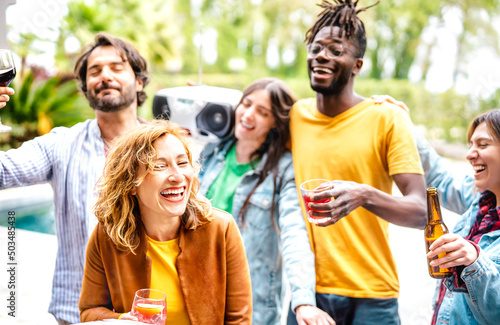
point(161, 110)
point(216, 118)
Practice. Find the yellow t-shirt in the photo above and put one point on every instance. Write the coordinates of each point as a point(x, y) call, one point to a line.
point(365, 144)
point(164, 277)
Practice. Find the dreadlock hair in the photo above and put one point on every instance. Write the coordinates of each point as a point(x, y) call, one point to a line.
point(343, 14)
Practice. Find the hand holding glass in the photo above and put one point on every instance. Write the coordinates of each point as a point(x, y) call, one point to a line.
point(150, 306)
point(7, 74)
point(310, 188)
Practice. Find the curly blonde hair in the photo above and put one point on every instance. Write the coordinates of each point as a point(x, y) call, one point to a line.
point(116, 208)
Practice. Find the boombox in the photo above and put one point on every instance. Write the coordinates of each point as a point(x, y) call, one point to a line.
point(207, 112)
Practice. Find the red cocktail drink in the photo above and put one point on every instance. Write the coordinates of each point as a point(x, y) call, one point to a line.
point(307, 199)
point(311, 188)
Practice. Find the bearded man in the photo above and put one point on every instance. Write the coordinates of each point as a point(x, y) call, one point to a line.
point(112, 75)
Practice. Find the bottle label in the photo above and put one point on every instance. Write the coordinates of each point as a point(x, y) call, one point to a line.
point(436, 271)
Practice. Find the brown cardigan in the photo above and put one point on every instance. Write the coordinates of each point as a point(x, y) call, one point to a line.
point(212, 267)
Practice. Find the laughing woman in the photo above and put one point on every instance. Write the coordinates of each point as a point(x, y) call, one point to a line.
point(472, 294)
point(251, 176)
point(155, 232)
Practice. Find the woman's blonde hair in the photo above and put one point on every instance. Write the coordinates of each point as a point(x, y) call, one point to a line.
point(116, 207)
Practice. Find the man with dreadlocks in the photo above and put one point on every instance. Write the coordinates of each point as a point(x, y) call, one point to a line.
point(362, 148)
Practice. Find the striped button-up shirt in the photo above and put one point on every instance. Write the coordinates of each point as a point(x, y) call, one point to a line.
point(71, 160)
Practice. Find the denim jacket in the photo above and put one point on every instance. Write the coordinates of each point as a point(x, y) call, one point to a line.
point(267, 250)
point(479, 302)
point(455, 194)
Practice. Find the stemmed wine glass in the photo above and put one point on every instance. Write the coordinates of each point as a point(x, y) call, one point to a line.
point(150, 306)
point(7, 74)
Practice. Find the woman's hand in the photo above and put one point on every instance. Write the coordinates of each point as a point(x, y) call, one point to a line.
point(379, 99)
point(460, 251)
point(4, 95)
point(309, 315)
point(193, 83)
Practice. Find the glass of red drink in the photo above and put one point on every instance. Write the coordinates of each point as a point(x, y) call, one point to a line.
point(150, 306)
point(308, 189)
point(7, 74)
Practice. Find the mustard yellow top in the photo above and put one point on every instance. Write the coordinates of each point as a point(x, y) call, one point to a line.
point(164, 277)
point(365, 144)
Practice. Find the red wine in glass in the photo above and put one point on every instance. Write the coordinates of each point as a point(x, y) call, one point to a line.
point(7, 74)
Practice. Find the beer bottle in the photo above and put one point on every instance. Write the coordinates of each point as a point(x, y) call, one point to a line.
point(435, 228)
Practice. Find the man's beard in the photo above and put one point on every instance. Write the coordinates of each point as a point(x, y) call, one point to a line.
point(336, 86)
point(112, 104)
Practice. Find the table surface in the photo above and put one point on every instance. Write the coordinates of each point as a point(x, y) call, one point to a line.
point(113, 322)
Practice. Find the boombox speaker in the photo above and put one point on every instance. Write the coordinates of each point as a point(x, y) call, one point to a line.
point(207, 112)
